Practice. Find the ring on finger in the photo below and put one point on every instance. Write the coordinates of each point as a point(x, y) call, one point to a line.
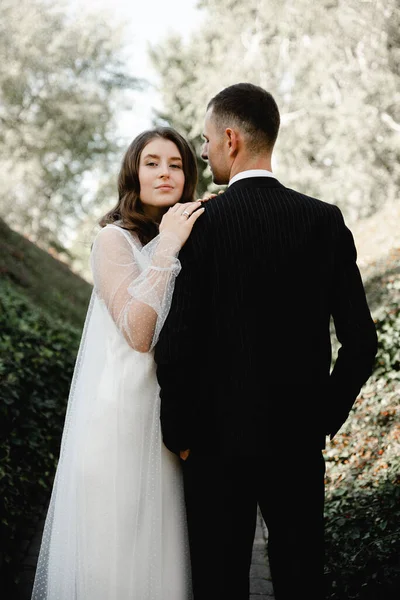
point(186, 213)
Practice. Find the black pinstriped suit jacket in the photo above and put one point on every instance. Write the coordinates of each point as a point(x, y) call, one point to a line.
point(244, 357)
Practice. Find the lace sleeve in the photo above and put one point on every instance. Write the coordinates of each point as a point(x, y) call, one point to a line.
point(135, 285)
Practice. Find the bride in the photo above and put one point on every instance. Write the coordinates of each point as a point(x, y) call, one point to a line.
point(116, 523)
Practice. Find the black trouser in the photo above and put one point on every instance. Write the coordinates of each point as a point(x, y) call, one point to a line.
point(221, 496)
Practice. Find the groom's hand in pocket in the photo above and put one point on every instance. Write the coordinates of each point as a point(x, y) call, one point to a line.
point(184, 454)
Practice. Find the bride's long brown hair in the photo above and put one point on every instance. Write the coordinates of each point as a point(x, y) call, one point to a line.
point(129, 209)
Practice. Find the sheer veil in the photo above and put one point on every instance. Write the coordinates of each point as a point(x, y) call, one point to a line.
point(58, 558)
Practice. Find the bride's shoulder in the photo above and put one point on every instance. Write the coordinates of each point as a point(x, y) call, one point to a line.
point(112, 232)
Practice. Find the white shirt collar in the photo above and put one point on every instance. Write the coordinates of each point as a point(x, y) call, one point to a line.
point(251, 173)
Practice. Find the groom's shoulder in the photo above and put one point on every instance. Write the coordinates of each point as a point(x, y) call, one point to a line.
point(275, 189)
point(314, 203)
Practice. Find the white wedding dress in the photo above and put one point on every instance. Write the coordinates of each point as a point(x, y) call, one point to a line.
point(116, 524)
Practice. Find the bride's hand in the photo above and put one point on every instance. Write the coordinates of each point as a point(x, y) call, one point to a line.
point(180, 218)
point(184, 454)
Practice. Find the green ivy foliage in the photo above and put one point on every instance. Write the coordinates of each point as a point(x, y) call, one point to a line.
point(363, 477)
point(37, 356)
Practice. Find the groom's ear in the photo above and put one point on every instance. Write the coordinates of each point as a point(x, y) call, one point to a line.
point(232, 140)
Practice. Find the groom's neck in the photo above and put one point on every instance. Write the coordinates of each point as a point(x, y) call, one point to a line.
point(247, 163)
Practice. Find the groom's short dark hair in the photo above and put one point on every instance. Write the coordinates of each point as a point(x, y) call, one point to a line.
point(250, 107)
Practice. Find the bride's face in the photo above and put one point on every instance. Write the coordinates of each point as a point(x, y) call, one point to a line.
point(161, 176)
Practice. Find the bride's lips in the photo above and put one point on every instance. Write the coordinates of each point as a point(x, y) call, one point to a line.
point(164, 187)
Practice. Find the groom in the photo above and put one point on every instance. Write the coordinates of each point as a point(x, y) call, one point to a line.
point(244, 359)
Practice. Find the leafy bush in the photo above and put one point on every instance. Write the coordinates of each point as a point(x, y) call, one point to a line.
point(363, 477)
point(36, 365)
point(43, 279)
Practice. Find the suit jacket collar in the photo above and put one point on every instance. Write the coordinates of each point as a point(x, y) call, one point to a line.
point(255, 182)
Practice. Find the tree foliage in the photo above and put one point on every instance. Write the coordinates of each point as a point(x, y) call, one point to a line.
point(332, 67)
point(61, 81)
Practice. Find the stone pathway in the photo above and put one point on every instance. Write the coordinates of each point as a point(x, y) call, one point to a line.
point(260, 576)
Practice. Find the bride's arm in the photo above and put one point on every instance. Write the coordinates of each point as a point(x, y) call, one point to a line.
point(136, 292)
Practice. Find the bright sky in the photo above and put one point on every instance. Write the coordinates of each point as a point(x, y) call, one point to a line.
point(148, 22)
